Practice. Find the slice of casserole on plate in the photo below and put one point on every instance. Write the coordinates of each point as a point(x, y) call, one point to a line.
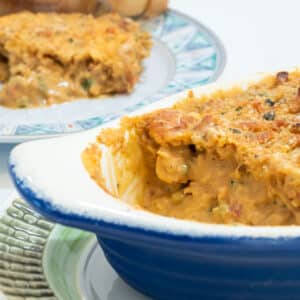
point(49, 58)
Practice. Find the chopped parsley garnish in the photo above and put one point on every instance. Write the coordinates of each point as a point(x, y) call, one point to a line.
point(234, 130)
point(42, 85)
point(86, 84)
point(239, 108)
point(269, 116)
point(23, 102)
point(232, 182)
point(269, 102)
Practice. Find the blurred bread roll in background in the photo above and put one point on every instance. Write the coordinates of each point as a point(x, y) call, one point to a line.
point(84, 6)
point(128, 8)
point(155, 8)
point(133, 8)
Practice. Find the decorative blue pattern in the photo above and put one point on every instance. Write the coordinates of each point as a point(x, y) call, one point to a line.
point(199, 58)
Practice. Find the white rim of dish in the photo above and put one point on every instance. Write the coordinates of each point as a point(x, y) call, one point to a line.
point(124, 214)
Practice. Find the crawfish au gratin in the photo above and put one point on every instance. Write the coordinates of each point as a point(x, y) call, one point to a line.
point(230, 157)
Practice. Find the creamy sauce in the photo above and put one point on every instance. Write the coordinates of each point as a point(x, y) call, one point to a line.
point(229, 158)
point(215, 190)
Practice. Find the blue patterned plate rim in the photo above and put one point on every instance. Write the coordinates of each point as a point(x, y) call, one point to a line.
point(215, 64)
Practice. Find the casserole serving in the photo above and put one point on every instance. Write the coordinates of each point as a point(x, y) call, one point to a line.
point(229, 157)
point(164, 257)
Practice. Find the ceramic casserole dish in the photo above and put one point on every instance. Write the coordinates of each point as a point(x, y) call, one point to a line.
point(165, 258)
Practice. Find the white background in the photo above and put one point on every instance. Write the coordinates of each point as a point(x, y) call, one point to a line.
point(258, 35)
